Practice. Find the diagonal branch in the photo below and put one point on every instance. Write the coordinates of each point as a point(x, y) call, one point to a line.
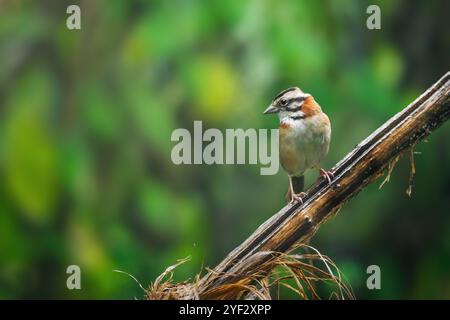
point(297, 223)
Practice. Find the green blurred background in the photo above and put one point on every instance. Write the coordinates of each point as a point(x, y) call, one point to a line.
point(86, 118)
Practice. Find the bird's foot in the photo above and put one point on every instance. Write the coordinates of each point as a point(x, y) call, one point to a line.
point(297, 197)
point(328, 175)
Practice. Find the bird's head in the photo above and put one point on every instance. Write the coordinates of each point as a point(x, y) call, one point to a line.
point(293, 103)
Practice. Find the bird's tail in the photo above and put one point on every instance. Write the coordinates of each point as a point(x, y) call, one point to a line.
point(298, 183)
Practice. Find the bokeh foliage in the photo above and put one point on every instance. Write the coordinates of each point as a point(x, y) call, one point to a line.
point(86, 118)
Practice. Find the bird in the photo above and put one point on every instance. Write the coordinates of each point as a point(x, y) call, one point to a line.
point(304, 137)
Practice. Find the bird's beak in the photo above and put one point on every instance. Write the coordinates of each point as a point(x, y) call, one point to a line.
point(271, 109)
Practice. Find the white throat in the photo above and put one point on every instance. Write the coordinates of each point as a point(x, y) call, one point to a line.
point(289, 117)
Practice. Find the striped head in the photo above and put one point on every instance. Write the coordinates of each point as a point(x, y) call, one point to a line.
point(293, 103)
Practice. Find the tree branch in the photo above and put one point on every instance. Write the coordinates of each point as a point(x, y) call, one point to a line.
point(299, 222)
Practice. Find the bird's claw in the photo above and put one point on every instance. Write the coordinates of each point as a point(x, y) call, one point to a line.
point(295, 198)
point(328, 175)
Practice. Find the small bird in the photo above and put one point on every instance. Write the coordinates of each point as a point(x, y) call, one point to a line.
point(304, 137)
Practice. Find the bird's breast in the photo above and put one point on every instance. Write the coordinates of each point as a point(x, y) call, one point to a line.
point(303, 143)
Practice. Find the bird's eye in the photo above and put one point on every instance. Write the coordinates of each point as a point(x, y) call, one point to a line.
point(283, 102)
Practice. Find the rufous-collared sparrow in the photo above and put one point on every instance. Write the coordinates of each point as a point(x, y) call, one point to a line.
point(304, 137)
